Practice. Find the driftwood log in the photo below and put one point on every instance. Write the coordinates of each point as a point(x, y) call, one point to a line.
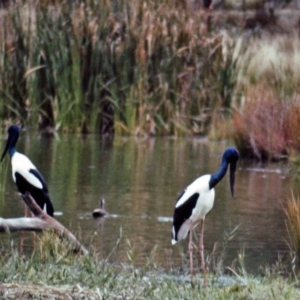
point(40, 222)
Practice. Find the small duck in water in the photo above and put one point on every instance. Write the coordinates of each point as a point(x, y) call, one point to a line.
point(100, 212)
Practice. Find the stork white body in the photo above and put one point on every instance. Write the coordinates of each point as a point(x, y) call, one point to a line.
point(21, 164)
point(204, 204)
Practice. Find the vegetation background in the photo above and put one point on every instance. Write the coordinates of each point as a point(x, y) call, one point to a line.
point(155, 68)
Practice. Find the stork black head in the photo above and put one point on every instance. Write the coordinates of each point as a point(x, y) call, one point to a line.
point(13, 135)
point(231, 156)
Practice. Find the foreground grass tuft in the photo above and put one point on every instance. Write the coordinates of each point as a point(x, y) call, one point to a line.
point(292, 211)
point(60, 274)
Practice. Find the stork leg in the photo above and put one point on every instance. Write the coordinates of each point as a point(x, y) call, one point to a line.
point(22, 242)
point(26, 211)
point(28, 214)
point(201, 250)
point(191, 251)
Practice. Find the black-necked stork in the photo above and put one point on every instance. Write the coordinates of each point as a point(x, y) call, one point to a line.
point(26, 176)
point(196, 201)
point(100, 212)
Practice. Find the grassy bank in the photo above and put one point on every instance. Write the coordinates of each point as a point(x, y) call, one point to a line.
point(53, 272)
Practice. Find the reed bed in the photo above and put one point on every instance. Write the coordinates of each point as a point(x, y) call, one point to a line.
point(150, 68)
point(128, 67)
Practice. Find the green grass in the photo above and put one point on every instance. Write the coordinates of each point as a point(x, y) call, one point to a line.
point(54, 272)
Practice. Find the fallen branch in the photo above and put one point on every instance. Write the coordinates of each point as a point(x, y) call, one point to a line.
point(40, 222)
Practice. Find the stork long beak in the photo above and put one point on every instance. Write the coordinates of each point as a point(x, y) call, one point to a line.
point(6, 148)
point(232, 176)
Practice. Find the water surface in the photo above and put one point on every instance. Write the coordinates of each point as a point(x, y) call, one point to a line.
point(140, 180)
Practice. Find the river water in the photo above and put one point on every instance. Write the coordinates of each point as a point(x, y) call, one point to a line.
point(140, 180)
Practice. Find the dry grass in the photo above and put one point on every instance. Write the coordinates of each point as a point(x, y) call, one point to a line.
point(266, 119)
point(272, 62)
point(292, 124)
point(292, 211)
point(267, 127)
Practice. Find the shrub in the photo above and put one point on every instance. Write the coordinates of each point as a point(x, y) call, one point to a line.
point(259, 127)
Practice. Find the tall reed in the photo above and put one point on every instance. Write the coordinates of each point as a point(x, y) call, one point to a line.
point(128, 67)
point(292, 211)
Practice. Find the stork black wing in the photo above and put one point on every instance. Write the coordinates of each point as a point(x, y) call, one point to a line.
point(40, 177)
point(41, 196)
point(184, 211)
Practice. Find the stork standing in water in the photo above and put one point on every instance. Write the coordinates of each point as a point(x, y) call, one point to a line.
point(26, 176)
point(196, 201)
